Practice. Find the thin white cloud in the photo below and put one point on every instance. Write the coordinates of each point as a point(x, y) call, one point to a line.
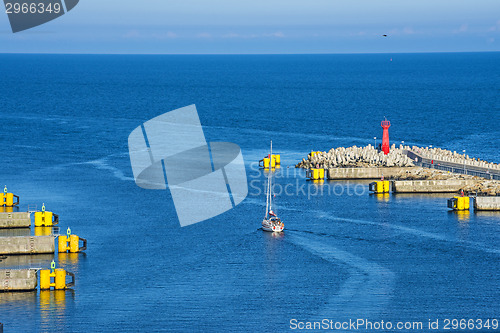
point(403, 31)
point(277, 34)
point(204, 35)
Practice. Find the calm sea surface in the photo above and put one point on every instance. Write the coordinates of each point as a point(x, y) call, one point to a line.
point(64, 125)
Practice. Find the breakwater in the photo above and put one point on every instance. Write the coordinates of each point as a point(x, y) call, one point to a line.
point(438, 155)
point(474, 176)
point(356, 157)
point(402, 156)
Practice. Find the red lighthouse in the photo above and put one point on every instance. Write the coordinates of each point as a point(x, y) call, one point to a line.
point(385, 139)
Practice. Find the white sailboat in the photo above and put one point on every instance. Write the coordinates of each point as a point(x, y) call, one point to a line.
point(271, 221)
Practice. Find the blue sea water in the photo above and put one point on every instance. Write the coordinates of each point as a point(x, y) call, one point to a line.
point(65, 120)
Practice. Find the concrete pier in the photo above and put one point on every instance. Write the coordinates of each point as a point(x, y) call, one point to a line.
point(18, 279)
point(364, 173)
point(27, 245)
point(15, 220)
point(430, 186)
point(487, 203)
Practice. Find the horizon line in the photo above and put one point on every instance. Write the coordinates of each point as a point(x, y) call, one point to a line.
point(298, 53)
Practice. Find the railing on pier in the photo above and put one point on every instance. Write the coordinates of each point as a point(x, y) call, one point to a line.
point(440, 165)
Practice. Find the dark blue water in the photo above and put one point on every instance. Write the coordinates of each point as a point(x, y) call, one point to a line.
point(65, 120)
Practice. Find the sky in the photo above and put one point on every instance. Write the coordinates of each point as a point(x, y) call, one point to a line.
point(263, 27)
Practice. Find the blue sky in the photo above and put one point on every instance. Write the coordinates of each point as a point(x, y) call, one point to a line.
point(258, 26)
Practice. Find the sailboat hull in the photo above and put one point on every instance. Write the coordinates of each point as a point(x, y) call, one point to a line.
point(270, 226)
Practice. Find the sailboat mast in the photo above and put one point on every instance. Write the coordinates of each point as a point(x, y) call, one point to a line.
point(271, 178)
point(267, 190)
point(267, 197)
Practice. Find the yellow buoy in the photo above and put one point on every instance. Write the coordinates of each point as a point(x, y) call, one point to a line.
point(62, 243)
point(387, 186)
point(46, 219)
point(71, 243)
point(59, 279)
point(315, 174)
point(74, 244)
point(7, 199)
point(459, 203)
point(382, 186)
point(45, 279)
point(267, 162)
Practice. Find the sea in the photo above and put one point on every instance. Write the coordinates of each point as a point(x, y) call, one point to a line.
point(345, 256)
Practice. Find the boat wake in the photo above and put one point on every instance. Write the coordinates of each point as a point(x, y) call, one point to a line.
point(365, 293)
point(401, 228)
point(417, 232)
point(102, 164)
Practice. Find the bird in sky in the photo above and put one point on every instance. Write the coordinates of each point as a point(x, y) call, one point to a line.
point(384, 35)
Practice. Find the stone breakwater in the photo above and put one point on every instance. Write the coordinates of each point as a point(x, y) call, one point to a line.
point(484, 187)
point(449, 156)
point(478, 185)
point(356, 157)
point(370, 158)
point(419, 173)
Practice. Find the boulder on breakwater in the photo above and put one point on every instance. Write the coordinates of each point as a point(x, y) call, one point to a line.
point(356, 157)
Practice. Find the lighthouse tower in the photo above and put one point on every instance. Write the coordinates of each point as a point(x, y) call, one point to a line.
point(385, 139)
